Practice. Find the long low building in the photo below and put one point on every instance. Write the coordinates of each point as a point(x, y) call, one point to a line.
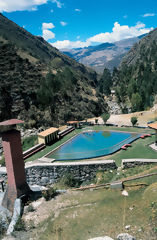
point(48, 136)
point(65, 130)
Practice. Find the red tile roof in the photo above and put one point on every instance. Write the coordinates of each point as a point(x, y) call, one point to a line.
point(71, 122)
point(153, 125)
point(48, 132)
point(11, 122)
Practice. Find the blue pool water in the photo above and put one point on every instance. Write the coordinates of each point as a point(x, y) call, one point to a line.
point(92, 144)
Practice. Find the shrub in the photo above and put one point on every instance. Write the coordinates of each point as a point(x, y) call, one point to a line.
point(105, 117)
point(68, 180)
point(30, 208)
point(134, 120)
point(20, 225)
point(29, 142)
point(49, 193)
point(104, 177)
point(2, 161)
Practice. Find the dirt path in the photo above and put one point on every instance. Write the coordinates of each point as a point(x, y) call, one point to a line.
point(124, 119)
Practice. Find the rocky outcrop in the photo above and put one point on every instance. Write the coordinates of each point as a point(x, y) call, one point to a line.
point(125, 236)
point(113, 106)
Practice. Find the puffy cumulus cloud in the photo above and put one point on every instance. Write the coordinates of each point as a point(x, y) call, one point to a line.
point(148, 15)
point(63, 23)
point(20, 5)
point(47, 26)
point(69, 44)
point(47, 34)
point(118, 33)
point(59, 4)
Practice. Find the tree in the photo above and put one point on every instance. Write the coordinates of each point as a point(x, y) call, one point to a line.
point(105, 82)
point(47, 94)
point(105, 117)
point(134, 120)
point(136, 102)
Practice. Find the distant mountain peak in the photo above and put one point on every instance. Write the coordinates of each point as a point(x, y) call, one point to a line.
point(106, 54)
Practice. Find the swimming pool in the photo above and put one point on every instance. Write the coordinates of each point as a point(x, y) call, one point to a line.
point(92, 144)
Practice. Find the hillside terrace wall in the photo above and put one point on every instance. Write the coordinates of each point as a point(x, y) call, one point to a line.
point(129, 163)
point(49, 173)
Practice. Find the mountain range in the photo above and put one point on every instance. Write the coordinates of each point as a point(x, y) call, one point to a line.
point(43, 86)
point(105, 55)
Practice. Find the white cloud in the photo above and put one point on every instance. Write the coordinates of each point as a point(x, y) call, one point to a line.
point(77, 10)
point(22, 5)
point(70, 44)
point(47, 26)
point(47, 34)
point(63, 23)
point(59, 4)
point(118, 33)
point(148, 15)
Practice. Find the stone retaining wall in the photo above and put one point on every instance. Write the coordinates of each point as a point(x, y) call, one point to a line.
point(48, 173)
point(82, 171)
point(129, 163)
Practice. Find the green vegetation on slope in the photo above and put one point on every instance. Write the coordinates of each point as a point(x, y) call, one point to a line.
point(29, 142)
point(135, 81)
point(105, 212)
point(26, 63)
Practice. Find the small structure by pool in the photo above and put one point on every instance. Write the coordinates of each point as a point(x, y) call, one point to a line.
point(48, 136)
point(74, 124)
point(92, 144)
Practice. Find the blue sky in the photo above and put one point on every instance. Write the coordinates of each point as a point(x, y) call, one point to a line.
point(80, 23)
